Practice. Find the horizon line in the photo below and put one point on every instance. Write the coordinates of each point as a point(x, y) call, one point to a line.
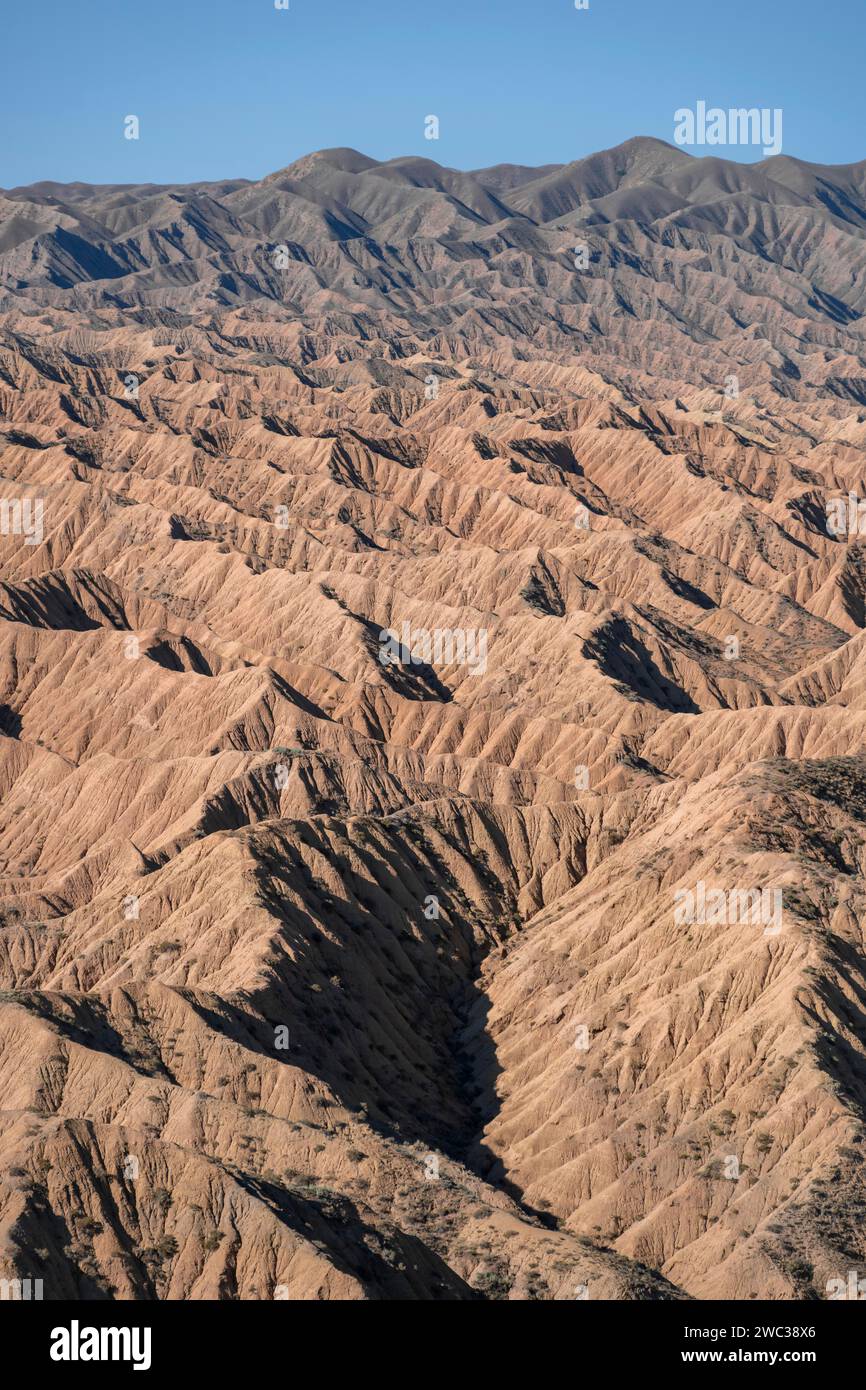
point(550, 166)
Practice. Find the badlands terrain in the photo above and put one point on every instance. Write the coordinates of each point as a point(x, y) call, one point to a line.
point(332, 976)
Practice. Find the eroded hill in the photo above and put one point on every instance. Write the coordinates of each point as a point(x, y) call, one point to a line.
point(397, 621)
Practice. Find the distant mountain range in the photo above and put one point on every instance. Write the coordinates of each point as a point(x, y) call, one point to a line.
point(760, 267)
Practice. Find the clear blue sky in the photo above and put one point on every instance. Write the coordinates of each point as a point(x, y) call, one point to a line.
point(231, 88)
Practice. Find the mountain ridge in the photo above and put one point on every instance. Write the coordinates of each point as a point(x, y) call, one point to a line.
point(416, 585)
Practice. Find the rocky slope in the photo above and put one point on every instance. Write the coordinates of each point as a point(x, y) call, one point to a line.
point(333, 969)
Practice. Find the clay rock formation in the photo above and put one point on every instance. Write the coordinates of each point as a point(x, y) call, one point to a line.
point(431, 732)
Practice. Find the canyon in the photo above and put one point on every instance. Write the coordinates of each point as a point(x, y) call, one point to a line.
point(327, 976)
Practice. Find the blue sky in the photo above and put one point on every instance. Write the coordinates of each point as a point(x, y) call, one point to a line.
point(236, 88)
